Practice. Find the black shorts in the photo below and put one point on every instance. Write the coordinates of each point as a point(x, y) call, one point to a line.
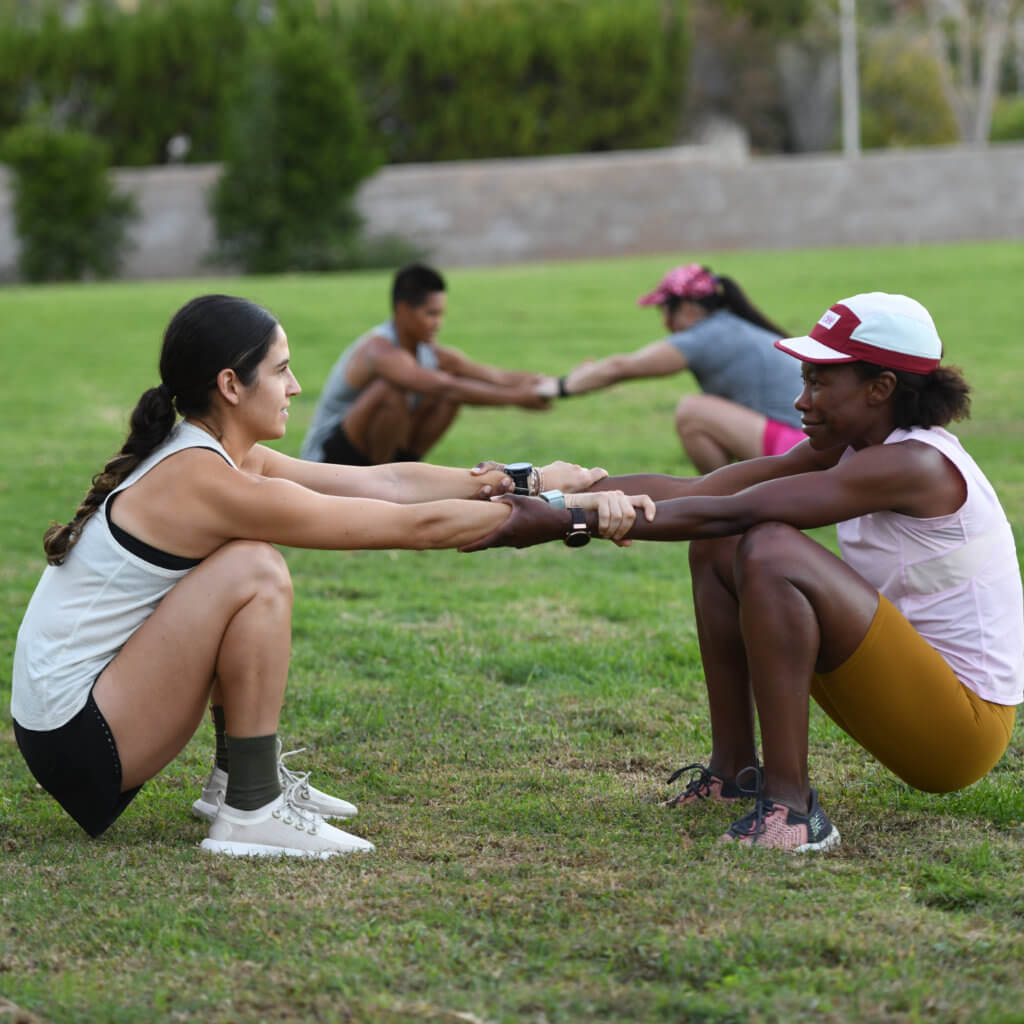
point(78, 765)
point(340, 450)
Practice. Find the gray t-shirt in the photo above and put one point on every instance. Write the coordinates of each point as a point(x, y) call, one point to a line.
point(735, 359)
point(338, 396)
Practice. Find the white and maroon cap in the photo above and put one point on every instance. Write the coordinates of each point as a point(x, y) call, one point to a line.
point(887, 330)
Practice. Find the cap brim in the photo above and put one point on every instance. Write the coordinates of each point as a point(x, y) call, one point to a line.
point(655, 298)
point(811, 351)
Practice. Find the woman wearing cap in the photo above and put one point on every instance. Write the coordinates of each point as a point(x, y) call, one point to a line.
point(746, 408)
point(912, 641)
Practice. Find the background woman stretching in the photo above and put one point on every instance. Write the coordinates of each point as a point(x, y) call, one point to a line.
point(748, 386)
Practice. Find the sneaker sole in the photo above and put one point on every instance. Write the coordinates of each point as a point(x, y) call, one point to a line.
point(257, 850)
point(830, 842)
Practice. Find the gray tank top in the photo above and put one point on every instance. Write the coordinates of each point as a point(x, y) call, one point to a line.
point(338, 396)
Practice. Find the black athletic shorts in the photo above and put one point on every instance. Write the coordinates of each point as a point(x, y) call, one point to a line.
point(78, 765)
point(340, 450)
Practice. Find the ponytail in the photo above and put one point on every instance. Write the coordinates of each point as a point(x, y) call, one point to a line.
point(151, 422)
point(732, 297)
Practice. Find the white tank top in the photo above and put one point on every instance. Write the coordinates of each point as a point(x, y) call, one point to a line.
point(955, 578)
point(82, 612)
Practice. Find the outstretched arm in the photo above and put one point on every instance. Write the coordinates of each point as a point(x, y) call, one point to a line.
point(457, 363)
point(912, 479)
point(728, 480)
point(401, 482)
point(655, 360)
point(410, 482)
point(400, 369)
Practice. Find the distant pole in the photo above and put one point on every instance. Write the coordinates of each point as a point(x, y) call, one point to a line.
point(848, 76)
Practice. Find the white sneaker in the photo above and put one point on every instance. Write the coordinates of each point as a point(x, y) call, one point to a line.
point(309, 797)
point(279, 829)
point(306, 796)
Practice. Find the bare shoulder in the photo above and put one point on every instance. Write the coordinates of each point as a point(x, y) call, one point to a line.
point(918, 479)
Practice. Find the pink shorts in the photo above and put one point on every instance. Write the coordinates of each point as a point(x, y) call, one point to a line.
point(780, 437)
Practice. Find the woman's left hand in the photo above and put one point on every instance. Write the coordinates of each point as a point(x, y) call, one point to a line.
point(616, 511)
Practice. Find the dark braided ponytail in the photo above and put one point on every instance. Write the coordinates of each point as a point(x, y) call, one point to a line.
point(207, 335)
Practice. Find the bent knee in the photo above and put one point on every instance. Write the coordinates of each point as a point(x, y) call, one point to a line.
point(712, 551)
point(256, 564)
point(770, 545)
point(694, 408)
point(384, 398)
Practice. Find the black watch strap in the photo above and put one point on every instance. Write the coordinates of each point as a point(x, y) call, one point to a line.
point(578, 534)
point(520, 473)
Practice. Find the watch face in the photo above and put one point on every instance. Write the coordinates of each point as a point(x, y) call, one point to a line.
point(577, 538)
point(520, 473)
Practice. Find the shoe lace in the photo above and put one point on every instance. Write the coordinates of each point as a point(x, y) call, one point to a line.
point(291, 813)
point(290, 777)
point(752, 823)
point(699, 784)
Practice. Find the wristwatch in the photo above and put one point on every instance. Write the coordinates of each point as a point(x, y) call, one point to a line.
point(578, 534)
point(520, 473)
point(556, 499)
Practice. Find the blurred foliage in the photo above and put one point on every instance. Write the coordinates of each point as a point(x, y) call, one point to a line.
point(476, 78)
point(69, 220)
point(296, 148)
point(1008, 119)
point(136, 80)
point(444, 79)
point(902, 102)
point(776, 15)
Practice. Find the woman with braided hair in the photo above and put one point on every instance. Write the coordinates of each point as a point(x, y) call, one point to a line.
point(727, 343)
point(165, 593)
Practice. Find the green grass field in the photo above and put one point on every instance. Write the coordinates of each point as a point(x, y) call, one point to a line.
point(505, 720)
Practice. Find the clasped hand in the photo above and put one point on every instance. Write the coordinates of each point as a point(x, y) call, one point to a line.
point(534, 521)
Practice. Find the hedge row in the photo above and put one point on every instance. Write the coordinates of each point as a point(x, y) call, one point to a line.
point(437, 79)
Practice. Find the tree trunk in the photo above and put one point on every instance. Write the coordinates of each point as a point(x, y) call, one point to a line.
point(972, 80)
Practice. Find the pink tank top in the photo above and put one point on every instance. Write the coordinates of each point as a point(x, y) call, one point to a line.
point(955, 578)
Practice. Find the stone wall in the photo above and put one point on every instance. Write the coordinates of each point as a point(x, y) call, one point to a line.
point(687, 198)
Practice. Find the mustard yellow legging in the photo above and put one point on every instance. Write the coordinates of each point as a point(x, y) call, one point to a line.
point(897, 697)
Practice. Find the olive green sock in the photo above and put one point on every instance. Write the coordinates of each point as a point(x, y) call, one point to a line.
point(253, 780)
point(220, 757)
